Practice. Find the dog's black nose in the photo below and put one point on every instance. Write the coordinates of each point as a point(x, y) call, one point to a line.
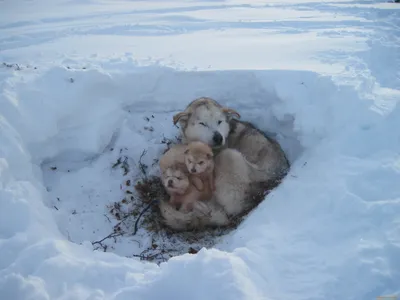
point(193, 170)
point(217, 138)
point(170, 182)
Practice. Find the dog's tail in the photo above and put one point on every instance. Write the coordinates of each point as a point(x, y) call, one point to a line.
point(256, 172)
point(203, 214)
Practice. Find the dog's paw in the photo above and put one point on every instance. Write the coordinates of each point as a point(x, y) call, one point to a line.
point(186, 208)
point(202, 208)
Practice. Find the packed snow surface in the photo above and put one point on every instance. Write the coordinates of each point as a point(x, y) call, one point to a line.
point(87, 84)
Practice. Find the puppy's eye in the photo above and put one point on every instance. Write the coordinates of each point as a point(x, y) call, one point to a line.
point(219, 122)
point(179, 178)
point(201, 123)
point(200, 163)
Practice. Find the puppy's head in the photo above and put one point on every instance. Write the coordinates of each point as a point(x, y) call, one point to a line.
point(198, 157)
point(206, 121)
point(175, 179)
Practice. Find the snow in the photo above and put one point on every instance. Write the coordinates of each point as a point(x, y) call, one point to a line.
point(84, 83)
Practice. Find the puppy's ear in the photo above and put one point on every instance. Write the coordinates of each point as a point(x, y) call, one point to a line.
point(230, 112)
point(181, 117)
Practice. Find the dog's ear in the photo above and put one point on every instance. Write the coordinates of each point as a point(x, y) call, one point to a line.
point(181, 117)
point(230, 112)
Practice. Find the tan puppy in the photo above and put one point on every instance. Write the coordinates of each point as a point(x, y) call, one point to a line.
point(177, 180)
point(199, 160)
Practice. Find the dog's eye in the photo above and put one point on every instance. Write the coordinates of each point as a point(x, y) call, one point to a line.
point(200, 163)
point(201, 123)
point(179, 178)
point(219, 122)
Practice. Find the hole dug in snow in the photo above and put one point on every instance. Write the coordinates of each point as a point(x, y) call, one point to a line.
point(100, 141)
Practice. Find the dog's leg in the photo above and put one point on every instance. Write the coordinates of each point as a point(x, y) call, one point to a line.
point(203, 214)
point(202, 208)
point(198, 183)
point(176, 219)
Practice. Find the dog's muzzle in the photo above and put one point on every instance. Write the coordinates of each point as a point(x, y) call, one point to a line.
point(217, 138)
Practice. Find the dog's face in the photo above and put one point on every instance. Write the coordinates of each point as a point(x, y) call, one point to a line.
point(198, 160)
point(175, 180)
point(207, 123)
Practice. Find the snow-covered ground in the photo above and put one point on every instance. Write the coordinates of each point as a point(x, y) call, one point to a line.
point(85, 84)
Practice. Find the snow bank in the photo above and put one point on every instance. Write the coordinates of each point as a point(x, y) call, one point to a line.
point(329, 231)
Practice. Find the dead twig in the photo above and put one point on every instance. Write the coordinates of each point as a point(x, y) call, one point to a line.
point(117, 163)
point(142, 166)
point(107, 218)
point(125, 166)
point(113, 235)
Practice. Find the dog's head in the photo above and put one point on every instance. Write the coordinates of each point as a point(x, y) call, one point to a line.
point(198, 157)
point(175, 179)
point(206, 121)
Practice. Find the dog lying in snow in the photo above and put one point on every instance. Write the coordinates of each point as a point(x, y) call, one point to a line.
point(246, 156)
point(185, 174)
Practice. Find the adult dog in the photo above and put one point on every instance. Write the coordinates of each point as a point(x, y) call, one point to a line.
point(246, 157)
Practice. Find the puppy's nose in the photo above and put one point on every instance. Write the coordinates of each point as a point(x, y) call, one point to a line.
point(170, 183)
point(193, 170)
point(217, 138)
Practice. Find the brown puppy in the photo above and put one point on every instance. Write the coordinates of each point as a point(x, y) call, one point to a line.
point(199, 160)
point(184, 190)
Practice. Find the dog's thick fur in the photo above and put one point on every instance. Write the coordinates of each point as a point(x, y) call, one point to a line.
point(246, 156)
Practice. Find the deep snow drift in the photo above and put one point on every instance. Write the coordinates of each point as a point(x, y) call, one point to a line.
point(84, 84)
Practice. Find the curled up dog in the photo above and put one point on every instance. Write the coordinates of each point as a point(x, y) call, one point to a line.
point(245, 158)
